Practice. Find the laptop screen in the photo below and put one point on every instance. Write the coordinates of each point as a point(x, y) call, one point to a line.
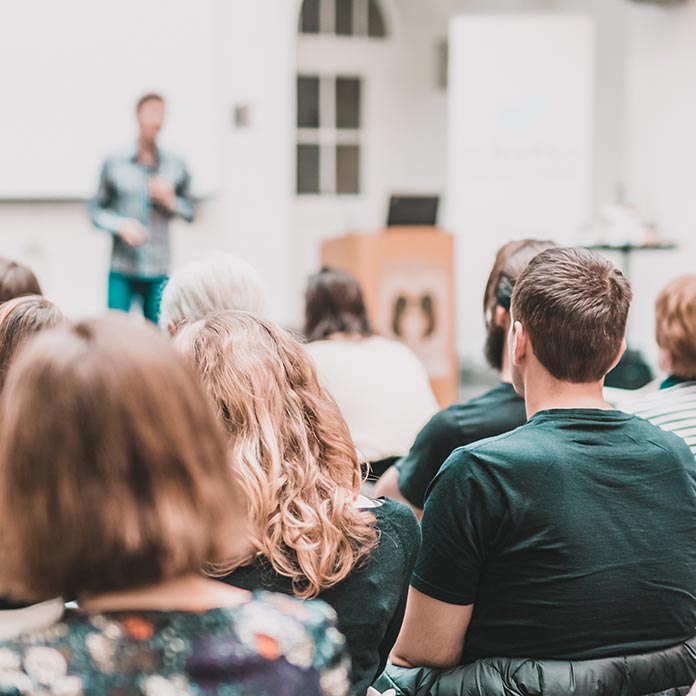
point(406, 211)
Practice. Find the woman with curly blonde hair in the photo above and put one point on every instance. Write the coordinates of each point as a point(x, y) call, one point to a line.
point(314, 535)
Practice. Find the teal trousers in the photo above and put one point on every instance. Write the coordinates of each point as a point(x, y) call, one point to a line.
point(123, 289)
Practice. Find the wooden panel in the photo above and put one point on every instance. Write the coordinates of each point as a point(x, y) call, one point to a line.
point(407, 276)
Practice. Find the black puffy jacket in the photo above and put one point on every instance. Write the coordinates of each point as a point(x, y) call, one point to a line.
point(668, 672)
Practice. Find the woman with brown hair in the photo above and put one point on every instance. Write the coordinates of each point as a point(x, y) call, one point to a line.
point(313, 534)
point(117, 493)
point(20, 319)
point(16, 280)
point(379, 384)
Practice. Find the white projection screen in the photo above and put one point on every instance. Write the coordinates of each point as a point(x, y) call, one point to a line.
point(521, 115)
point(72, 71)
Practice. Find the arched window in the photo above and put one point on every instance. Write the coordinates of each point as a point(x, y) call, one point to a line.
point(330, 114)
point(343, 18)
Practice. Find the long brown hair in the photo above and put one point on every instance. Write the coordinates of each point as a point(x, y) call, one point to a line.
point(512, 258)
point(112, 465)
point(290, 447)
point(334, 304)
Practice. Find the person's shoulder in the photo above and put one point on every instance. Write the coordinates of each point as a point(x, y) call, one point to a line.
point(503, 449)
point(487, 410)
point(310, 613)
point(319, 346)
point(398, 528)
point(314, 620)
point(393, 514)
point(170, 157)
point(124, 154)
point(327, 353)
point(648, 432)
point(116, 159)
point(676, 398)
point(393, 347)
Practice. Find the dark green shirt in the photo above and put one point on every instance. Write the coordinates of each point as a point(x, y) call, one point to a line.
point(572, 536)
point(497, 411)
point(370, 602)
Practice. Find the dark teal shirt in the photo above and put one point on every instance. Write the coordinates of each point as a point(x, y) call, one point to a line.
point(497, 411)
point(370, 602)
point(572, 536)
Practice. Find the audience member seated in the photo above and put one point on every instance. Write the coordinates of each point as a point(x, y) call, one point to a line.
point(380, 385)
point(313, 534)
point(673, 407)
point(16, 280)
point(20, 319)
point(212, 284)
point(570, 538)
point(108, 438)
point(495, 412)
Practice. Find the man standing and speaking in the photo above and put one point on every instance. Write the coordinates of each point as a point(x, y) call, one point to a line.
point(139, 192)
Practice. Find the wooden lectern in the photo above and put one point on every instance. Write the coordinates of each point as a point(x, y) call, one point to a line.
point(407, 276)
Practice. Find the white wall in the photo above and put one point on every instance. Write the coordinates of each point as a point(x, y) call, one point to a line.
point(661, 145)
point(520, 142)
point(404, 118)
point(611, 30)
point(255, 56)
point(645, 116)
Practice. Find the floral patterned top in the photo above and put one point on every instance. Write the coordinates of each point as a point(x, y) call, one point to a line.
point(271, 645)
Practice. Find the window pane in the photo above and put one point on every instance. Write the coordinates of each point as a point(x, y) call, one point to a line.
point(308, 102)
point(307, 168)
point(347, 102)
point(344, 17)
point(309, 17)
point(348, 169)
point(375, 21)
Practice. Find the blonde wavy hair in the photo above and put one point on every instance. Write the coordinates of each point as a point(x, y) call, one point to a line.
point(290, 447)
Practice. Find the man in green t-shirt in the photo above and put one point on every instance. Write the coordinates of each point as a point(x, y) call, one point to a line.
point(572, 537)
point(497, 411)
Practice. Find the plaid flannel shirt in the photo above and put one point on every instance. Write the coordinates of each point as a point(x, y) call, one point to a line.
point(123, 193)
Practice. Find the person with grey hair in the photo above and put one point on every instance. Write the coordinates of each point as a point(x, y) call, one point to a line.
point(216, 282)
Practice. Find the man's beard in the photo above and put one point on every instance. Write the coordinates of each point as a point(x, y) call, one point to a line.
point(493, 349)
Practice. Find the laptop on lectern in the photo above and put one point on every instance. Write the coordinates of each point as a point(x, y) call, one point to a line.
point(413, 211)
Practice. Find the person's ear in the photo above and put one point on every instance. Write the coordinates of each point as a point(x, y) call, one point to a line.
point(501, 317)
point(520, 343)
point(619, 355)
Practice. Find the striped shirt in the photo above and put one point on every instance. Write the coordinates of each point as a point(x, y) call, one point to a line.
point(123, 194)
point(672, 408)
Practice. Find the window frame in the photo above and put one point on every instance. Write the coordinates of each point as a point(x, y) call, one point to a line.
point(360, 20)
point(328, 136)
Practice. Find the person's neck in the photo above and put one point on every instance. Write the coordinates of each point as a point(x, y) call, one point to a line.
point(542, 392)
point(187, 593)
point(147, 151)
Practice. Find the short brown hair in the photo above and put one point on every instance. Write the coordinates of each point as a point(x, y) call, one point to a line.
point(675, 324)
point(574, 304)
point(16, 280)
point(334, 303)
point(149, 96)
point(122, 481)
point(20, 319)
